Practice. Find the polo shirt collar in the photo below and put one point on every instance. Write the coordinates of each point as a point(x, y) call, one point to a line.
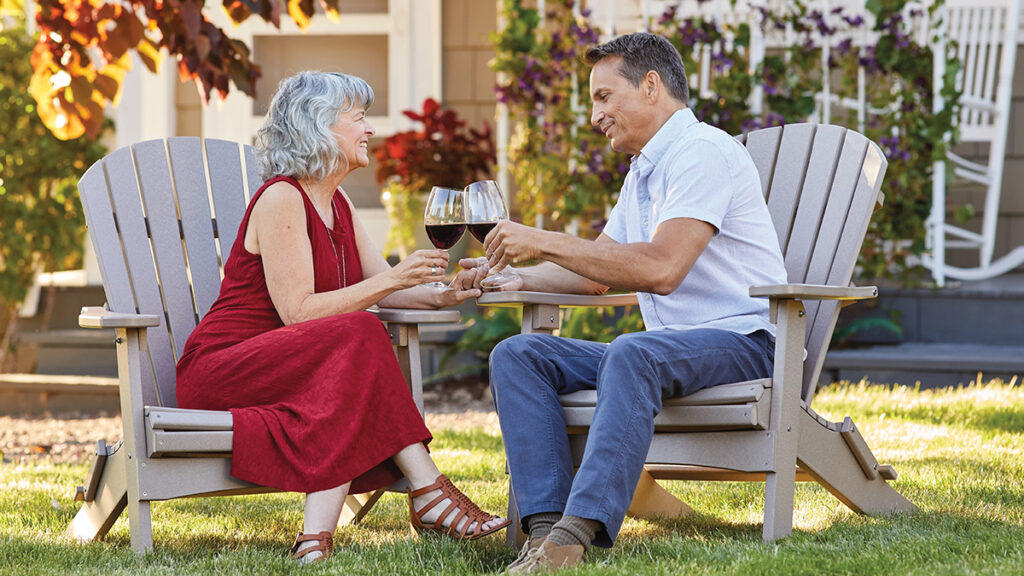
point(669, 133)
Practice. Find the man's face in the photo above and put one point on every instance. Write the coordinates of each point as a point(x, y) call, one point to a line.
point(620, 110)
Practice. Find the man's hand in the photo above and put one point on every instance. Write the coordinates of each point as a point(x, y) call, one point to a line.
point(511, 243)
point(503, 281)
point(464, 286)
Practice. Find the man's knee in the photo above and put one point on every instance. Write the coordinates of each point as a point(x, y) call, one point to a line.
point(512, 350)
point(629, 357)
point(628, 348)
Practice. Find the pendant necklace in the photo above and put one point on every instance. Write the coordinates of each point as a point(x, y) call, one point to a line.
point(342, 280)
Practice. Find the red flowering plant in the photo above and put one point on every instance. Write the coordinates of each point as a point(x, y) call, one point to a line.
point(444, 152)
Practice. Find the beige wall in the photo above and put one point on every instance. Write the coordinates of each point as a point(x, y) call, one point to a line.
point(468, 84)
point(466, 49)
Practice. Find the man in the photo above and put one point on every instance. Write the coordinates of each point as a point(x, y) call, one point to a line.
point(690, 233)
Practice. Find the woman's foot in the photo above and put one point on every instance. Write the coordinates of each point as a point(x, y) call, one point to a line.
point(309, 548)
point(441, 507)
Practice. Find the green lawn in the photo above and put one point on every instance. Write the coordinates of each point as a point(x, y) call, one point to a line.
point(960, 454)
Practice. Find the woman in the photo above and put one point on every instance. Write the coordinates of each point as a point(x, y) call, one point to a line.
point(318, 399)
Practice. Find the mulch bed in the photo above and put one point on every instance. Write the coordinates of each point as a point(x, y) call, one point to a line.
point(70, 437)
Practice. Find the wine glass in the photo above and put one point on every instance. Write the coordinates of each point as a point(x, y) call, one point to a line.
point(485, 207)
point(444, 220)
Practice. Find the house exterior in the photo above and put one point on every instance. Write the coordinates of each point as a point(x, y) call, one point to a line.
point(413, 49)
point(407, 50)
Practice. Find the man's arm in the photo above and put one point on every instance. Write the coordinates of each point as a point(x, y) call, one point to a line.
point(658, 266)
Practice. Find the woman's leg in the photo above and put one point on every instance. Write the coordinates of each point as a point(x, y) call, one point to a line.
point(419, 469)
point(322, 511)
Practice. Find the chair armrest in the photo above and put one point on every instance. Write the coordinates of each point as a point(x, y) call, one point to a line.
point(408, 316)
point(813, 292)
point(100, 317)
point(523, 298)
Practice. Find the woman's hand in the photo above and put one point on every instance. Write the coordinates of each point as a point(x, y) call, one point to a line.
point(464, 286)
point(420, 267)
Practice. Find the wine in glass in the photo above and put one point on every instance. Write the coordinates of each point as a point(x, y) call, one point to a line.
point(444, 220)
point(485, 207)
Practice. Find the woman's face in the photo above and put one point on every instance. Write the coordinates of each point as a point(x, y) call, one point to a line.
point(352, 131)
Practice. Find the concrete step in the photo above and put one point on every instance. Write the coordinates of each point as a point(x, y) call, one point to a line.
point(929, 364)
point(987, 312)
point(39, 393)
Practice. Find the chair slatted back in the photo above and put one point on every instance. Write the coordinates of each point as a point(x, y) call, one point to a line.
point(163, 215)
point(821, 184)
point(985, 33)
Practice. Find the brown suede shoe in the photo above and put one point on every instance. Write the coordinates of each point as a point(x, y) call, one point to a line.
point(529, 546)
point(548, 557)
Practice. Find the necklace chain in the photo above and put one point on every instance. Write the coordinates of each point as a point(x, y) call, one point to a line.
point(342, 276)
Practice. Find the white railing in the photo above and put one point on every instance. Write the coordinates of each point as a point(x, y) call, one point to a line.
point(985, 77)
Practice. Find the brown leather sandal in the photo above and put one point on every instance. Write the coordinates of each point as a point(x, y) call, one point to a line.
point(461, 506)
point(326, 545)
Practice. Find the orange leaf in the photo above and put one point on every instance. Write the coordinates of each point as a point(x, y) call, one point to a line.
point(297, 10)
point(149, 54)
point(106, 86)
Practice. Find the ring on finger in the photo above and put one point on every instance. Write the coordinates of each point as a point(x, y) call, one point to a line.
point(433, 270)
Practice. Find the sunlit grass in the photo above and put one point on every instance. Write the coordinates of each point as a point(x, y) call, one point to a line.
point(960, 455)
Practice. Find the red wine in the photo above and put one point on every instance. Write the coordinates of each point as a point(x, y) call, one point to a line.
point(444, 236)
point(479, 230)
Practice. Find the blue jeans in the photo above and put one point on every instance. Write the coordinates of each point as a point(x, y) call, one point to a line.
point(631, 375)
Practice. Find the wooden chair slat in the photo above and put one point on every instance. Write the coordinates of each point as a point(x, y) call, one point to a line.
point(99, 218)
point(862, 203)
point(163, 443)
point(807, 224)
point(223, 161)
point(196, 221)
point(160, 418)
point(139, 255)
point(788, 178)
point(763, 146)
point(168, 249)
point(252, 172)
point(724, 394)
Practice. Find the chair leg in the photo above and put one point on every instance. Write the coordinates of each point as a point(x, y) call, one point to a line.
point(828, 459)
point(651, 500)
point(779, 491)
point(140, 523)
point(95, 518)
point(514, 535)
point(358, 505)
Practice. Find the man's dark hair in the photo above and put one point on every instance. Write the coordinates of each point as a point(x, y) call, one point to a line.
point(642, 52)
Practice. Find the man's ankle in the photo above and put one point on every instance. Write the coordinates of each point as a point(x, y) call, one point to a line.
point(539, 525)
point(573, 530)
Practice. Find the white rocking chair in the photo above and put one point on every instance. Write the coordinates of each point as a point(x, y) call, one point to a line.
point(985, 34)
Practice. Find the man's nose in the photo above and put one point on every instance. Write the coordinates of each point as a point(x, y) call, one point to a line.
point(595, 117)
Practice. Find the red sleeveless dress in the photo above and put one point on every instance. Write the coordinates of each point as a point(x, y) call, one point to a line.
point(315, 404)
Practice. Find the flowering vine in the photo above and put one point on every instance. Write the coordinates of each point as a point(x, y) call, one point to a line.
point(566, 171)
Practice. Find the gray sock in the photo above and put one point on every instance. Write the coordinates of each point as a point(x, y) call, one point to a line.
point(574, 530)
point(539, 525)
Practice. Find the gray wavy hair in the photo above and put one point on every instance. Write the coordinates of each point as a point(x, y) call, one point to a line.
point(296, 139)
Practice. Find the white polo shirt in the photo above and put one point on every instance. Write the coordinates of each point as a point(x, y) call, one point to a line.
point(692, 170)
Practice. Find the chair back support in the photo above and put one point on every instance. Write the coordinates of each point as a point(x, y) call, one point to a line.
point(822, 184)
point(163, 215)
point(985, 34)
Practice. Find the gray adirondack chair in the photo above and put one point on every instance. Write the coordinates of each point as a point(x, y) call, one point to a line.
point(162, 216)
point(822, 185)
